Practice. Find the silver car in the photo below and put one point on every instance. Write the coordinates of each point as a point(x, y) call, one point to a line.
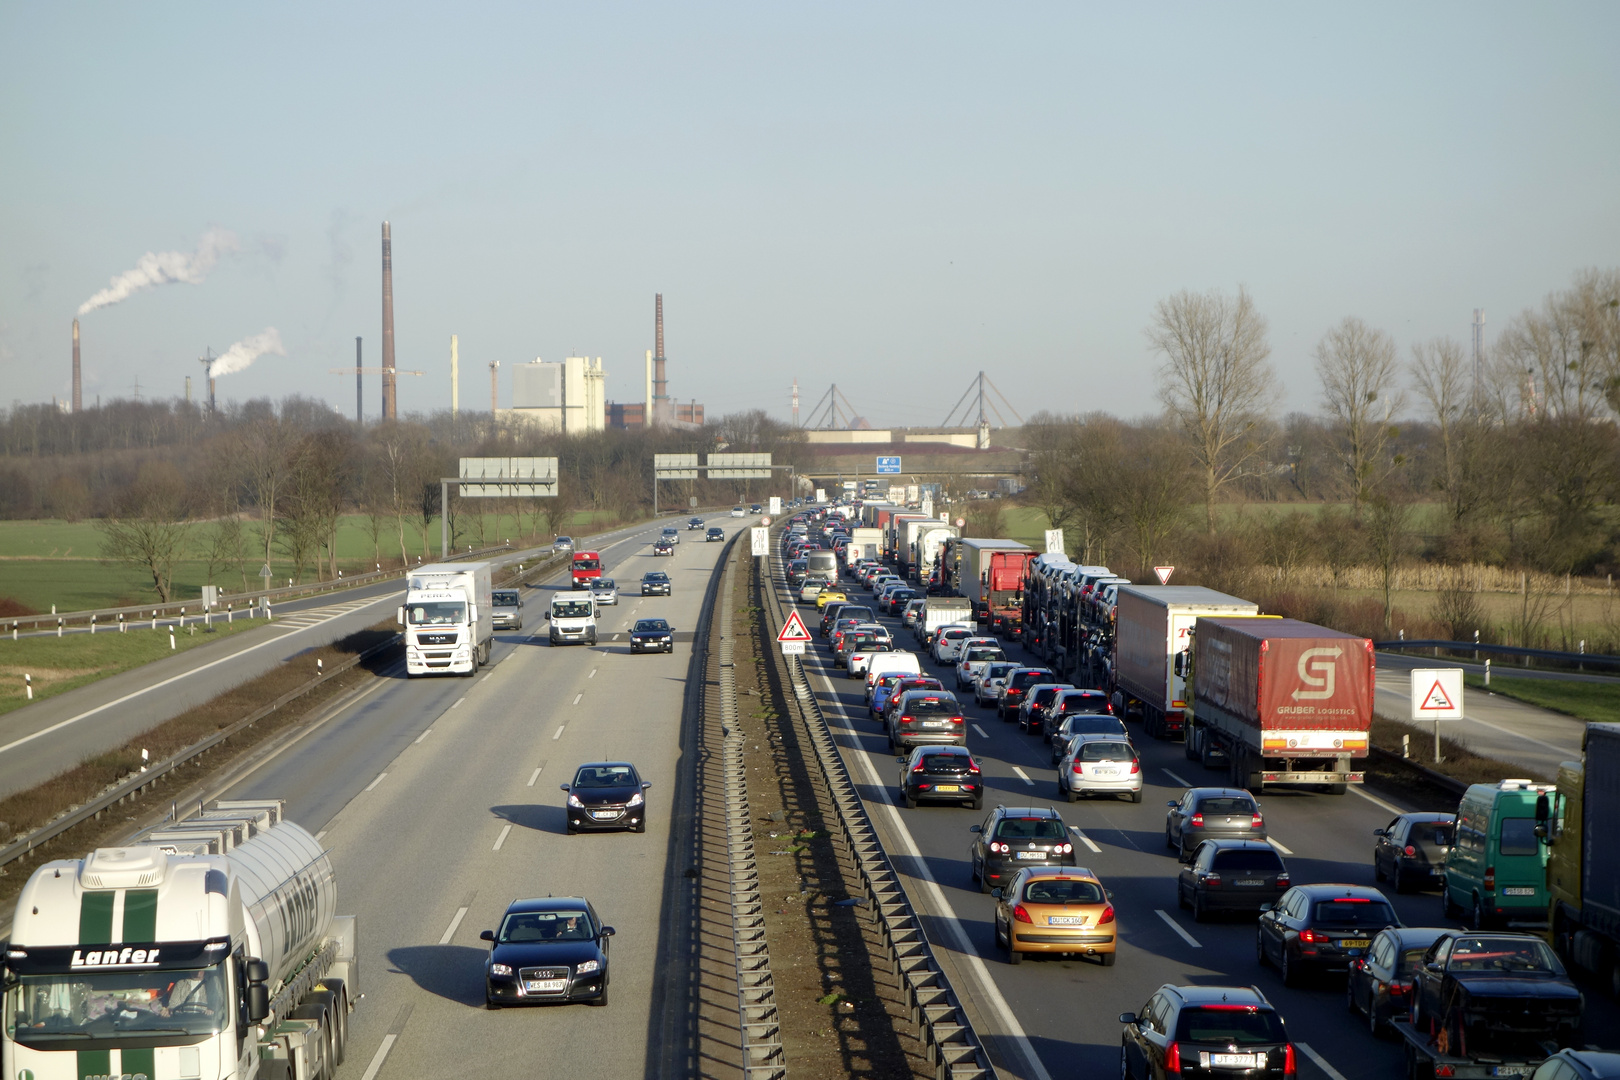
point(506, 609)
point(604, 591)
point(1100, 765)
point(987, 686)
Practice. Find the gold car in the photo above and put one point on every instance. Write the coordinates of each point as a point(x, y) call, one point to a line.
point(827, 596)
point(1056, 909)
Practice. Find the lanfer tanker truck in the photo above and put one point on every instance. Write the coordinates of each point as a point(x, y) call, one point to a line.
point(208, 948)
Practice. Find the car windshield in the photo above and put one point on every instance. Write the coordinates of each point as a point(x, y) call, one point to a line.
point(587, 564)
point(1248, 859)
point(604, 776)
point(1501, 954)
point(47, 1009)
point(438, 613)
point(1221, 804)
point(1042, 828)
point(571, 609)
point(1353, 911)
point(566, 540)
point(504, 598)
point(1106, 751)
point(1230, 1025)
point(531, 926)
point(1063, 891)
point(1519, 836)
point(655, 576)
point(648, 625)
point(931, 706)
point(603, 585)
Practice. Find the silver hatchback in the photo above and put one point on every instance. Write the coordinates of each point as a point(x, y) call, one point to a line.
point(605, 591)
point(1100, 765)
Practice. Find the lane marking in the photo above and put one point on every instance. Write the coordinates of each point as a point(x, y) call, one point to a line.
point(577, 697)
point(319, 835)
point(981, 731)
point(534, 777)
point(592, 675)
point(1176, 778)
point(615, 637)
point(377, 781)
point(1168, 921)
point(1086, 840)
point(379, 1057)
point(457, 705)
point(1375, 800)
point(1022, 775)
point(1278, 845)
point(501, 839)
point(558, 735)
point(1321, 1063)
point(422, 736)
point(461, 913)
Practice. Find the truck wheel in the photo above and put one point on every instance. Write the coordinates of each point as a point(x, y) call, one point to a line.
point(1189, 745)
point(323, 1019)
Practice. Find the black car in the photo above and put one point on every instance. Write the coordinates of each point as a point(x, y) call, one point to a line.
point(1380, 983)
point(1232, 875)
point(694, 523)
point(1232, 1028)
point(663, 546)
point(655, 583)
point(926, 718)
point(547, 950)
point(1321, 928)
point(1069, 702)
point(1495, 991)
point(1077, 724)
point(652, 635)
point(1032, 709)
point(1019, 680)
point(1411, 850)
point(941, 773)
point(715, 533)
point(1017, 836)
point(607, 795)
point(1208, 812)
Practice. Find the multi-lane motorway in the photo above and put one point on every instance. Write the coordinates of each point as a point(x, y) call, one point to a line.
point(439, 801)
point(1058, 1018)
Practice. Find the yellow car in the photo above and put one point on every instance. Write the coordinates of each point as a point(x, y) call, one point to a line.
point(827, 596)
point(1056, 909)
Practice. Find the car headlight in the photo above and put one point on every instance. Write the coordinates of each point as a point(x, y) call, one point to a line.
point(635, 800)
point(587, 967)
point(500, 969)
point(573, 800)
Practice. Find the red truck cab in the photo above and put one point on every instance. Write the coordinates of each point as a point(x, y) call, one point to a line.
point(587, 567)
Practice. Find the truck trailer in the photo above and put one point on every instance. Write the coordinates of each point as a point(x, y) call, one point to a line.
point(1285, 702)
point(206, 948)
point(1151, 630)
point(448, 625)
point(1583, 872)
point(991, 574)
point(919, 552)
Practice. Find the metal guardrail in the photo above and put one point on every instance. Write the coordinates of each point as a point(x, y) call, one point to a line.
point(1577, 660)
point(951, 1044)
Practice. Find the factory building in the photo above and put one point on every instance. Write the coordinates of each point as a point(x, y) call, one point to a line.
point(569, 397)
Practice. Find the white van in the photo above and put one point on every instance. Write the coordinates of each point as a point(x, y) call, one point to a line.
point(573, 619)
point(888, 663)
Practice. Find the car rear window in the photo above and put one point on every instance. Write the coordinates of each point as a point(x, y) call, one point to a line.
point(1063, 891)
point(984, 654)
point(1519, 836)
point(1030, 829)
point(1230, 1024)
point(1439, 832)
point(863, 614)
point(1025, 679)
point(1248, 859)
point(1355, 912)
point(945, 763)
point(932, 706)
point(1106, 751)
point(1095, 725)
point(1222, 804)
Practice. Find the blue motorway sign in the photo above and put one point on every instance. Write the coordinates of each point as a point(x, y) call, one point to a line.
point(888, 464)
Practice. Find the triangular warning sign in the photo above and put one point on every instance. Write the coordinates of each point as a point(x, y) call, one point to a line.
point(1164, 573)
point(1436, 700)
point(793, 629)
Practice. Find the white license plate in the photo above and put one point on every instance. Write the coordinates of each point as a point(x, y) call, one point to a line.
point(1237, 1061)
point(1032, 854)
point(1251, 881)
point(545, 986)
point(1104, 772)
point(604, 813)
point(947, 787)
point(1519, 891)
point(933, 723)
point(1065, 920)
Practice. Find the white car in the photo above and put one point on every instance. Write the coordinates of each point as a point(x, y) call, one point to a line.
point(972, 658)
point(672, 534)
point(737, 511)
point(948, 639)
point(987, 685)
point(1100, 765)
point(605, 591)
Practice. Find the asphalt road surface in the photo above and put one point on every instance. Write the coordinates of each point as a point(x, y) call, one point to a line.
point(438, 798)
point(1056, 1018)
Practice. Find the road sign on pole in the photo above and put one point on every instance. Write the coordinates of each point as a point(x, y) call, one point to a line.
point(760, 540)
point(793, 629)
point(1437, 694)
point(888, 465)
point(1054, 541)
point(776, 505)
point(1164, 573)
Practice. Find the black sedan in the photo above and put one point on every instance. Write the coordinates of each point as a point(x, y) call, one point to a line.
point(652, 635)
point(943, 773)
point(655, 583)
point(694, 523)
point(1321, 928)
point(1412, 849)
point(1232, 875)
point(715, 533)
point(607, 795)
point(547, 950)
point(1502, 992)
point(1380, 983)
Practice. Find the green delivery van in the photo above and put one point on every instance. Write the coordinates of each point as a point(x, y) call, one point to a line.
point(1496, 871)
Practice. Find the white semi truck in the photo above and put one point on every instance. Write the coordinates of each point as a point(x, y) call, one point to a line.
point(448, 621)
point(924, 538)
point(209, 948)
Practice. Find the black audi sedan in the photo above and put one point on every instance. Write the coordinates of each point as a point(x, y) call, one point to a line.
point(652, 635)
point(607, 795)
point(547, 950)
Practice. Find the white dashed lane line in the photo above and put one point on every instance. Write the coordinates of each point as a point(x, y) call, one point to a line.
point(424, 735)
point(1321, 1062)
point(577, 697)
point(457, 705)
point(1168, 921)
point(1278, 845)
point(461, 913)
point(1086, 840)
point(534, 776)
point(1022, 775)
point(377, 781)
point(559, 732)
point(501, 839)
point(981, 732)
point(1176, 778)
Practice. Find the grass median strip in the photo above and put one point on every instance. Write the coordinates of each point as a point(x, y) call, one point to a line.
point(1596, 702)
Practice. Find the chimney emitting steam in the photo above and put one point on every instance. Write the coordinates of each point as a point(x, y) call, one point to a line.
point(78, 381)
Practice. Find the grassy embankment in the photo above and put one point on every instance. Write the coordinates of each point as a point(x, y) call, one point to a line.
point(1594, 702)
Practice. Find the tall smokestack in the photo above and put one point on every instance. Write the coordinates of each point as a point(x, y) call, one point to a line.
point(388, 406)
point(78, 379)
point(660, 384)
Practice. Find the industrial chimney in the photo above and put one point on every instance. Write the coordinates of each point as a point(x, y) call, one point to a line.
point(660, 384)
point(389, 411)
point(78, 380)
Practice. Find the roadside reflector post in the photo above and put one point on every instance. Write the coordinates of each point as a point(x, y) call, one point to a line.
point(229, 611)
point(122, 626)
point(154, 618)
point(58, 627)
point(171, 639)
point(1487, 673)
point(1406, 746)
point(1437, 742)
point(320, 668)
point(92, 624)
point(28, 682)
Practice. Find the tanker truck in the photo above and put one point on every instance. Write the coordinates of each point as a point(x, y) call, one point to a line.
point(206, 948)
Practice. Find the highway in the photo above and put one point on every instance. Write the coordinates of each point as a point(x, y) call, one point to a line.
point(1055, 1018)
point(439, 800)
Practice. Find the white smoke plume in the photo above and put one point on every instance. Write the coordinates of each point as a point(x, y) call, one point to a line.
point(165, 267)
point(244, 352)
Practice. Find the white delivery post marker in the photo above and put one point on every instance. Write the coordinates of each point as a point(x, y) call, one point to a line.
point(793, 635)
point(1437, 694)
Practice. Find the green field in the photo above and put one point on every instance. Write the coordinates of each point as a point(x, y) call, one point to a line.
point(61, 664)
point(56, 562)
point(1595, 702)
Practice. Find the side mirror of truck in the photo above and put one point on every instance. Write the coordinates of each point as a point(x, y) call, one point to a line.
point(258, 1002)
point(399, 616)
point(257, 971)
point(472, 613)
point(486, 935)
point(1180, 667)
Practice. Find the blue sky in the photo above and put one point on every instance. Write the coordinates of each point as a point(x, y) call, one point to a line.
point(889, 197)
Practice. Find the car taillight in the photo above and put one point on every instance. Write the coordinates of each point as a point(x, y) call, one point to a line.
point(999, 847)
point(907, 719)
point(974, 769)
point(1136, 766)
point(1107, 915)
point(1410, 850)
point(1283, 881)
point(1021, 915)
point(1076, 769)
point(1490, 879)
point(1196, 821)
point(1212, 879)
point(957, 720)
point(1314, 937)
point(1110, 708)
point(1256, 822)
point(1172, 1058)
point(1290, 1066)
point(918, 767)
point(1397, 989)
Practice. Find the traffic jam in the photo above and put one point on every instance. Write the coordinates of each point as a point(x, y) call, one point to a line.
point(1021, 714)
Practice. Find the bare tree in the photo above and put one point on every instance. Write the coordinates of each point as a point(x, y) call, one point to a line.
point(1215, 380)
point(1357, 366)
point(264, 451)
point(1443, 377)
point(1052, 452)
point(150, 528)
point(1389, 529)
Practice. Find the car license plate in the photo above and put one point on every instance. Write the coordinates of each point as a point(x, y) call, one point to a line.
point(1235, 1061)
point(1032, 854)
point(1065, 920)
point(1251, 881)
point(545, 986)
point(1104, 772)
point(933, 723)
point(1511, 1070)
point(604, 813)
point(1519, 891)
point(947, 787)
point(1354, 943)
